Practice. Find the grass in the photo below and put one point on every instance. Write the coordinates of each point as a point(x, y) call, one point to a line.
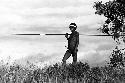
point(78, 73)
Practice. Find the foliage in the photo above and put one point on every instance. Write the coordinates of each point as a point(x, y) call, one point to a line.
point(79, 73)
point(117, 58)
point(114, 11)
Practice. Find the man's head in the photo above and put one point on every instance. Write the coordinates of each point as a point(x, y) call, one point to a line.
point(73, 26)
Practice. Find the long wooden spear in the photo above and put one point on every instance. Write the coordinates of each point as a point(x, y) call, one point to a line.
point(68, 34)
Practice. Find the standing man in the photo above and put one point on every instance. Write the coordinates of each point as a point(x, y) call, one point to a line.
point(73, 42)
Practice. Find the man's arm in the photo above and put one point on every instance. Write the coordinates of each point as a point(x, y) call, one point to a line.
point(67, 36)
point(77, 41)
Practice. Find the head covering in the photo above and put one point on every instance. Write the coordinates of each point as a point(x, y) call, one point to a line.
point(73, 25)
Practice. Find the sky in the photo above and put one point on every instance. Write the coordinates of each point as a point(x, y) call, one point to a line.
point(50, 16)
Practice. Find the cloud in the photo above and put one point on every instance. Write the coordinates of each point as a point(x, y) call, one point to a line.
point(46, 3)
point(105, 46)
point(94, 57)
point(40, 59)
point(48, 16)
point(43, 3)
point(41, 29)
point(53, 51)
point(17, 15)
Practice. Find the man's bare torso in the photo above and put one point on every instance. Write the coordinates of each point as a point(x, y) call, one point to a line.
point(72, 40)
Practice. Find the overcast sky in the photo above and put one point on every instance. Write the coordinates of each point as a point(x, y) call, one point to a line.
point(50, 16)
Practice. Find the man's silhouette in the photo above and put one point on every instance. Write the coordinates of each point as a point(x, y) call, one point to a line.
point(73, 42)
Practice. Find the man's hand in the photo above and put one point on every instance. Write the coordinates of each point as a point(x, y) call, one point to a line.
point(66, 35)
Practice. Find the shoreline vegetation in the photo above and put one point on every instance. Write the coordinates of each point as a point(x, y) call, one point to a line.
point(78, 73)
point(81, 72)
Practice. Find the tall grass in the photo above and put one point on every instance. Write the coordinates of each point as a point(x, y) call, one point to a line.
point(78, 73)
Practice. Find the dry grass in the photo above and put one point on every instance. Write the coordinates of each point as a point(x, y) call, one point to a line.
point(79, 73)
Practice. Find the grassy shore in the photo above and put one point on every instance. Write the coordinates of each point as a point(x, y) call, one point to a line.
point(78, 73)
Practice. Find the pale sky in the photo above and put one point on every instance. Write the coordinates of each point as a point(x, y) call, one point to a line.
point(50, 16)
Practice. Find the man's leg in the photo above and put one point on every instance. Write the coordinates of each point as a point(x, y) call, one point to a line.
point(74, 58)
point(66, 56)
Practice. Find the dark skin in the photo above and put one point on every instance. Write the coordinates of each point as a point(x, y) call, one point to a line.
point(72, 46)
point(72, 30)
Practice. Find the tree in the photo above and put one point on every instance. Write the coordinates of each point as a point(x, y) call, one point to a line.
point(114, 11)
point(117, 59)
point(114, 25)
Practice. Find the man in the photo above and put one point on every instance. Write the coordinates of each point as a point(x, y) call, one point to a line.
point(73, 42)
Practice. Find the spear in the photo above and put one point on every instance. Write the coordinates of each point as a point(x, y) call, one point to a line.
point(69, 34)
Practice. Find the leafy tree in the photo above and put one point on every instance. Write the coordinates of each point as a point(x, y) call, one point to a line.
point(117, 59)
point(114, 11)
point(114, 25)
